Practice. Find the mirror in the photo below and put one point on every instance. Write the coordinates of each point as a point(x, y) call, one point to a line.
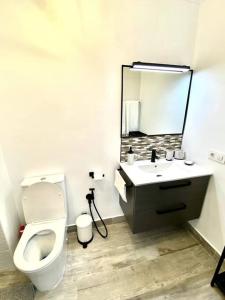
point(153, 103)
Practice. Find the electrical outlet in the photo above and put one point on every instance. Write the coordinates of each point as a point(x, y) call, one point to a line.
point(217, 156)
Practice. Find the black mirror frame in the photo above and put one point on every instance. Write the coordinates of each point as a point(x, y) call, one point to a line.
point(186, 109)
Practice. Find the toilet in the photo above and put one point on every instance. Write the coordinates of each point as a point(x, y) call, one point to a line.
point(41, 252)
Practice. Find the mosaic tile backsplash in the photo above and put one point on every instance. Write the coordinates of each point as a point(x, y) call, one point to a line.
point(142, 145)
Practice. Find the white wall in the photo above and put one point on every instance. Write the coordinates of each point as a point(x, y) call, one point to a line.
point(6, 260)
point(9, 220)
point(206, 122)
point(61, 78)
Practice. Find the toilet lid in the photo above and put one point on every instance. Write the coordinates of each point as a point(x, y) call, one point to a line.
point(43, 201)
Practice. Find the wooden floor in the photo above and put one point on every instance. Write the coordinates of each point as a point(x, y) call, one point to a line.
point(15, 286)
point(163, 264)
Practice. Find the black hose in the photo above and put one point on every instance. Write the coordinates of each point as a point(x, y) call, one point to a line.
point(104, 236)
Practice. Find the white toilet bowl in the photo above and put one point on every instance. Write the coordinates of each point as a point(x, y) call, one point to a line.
point(40, 253)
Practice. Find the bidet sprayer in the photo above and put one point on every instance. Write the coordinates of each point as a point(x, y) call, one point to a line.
point(91, 195)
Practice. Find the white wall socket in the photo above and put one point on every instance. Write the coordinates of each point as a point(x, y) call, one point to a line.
point(217, 156)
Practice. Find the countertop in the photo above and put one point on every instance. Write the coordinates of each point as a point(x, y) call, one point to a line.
point(145, 172)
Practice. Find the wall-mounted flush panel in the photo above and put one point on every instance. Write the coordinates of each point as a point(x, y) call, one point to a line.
point(217, 156)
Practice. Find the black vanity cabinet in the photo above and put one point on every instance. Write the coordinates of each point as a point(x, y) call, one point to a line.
point(160, 204)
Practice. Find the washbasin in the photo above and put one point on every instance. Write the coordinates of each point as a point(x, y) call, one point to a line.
point(146, 172)
point(155, 167)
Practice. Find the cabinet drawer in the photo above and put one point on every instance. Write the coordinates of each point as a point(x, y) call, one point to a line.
point(167, 195)
point(174, 215)
point(152, 219)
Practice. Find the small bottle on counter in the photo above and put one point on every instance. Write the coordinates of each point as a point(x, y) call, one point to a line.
point(130, 156)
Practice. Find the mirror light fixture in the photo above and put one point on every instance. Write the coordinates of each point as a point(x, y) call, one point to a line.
point(153, 67)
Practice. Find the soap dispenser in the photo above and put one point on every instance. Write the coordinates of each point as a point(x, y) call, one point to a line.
point(130, 156)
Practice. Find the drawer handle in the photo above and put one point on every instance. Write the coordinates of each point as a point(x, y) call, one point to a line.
point(170, 210)
point(179, 185)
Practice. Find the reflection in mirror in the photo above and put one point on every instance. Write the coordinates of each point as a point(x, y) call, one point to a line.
point(153, 103)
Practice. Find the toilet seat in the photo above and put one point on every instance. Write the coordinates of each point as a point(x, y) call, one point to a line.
point(32, 229)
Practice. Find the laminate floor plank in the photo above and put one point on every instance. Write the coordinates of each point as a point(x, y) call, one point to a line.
point(162, 264)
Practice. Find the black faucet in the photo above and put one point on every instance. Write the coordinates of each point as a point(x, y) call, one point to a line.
point(154, 156)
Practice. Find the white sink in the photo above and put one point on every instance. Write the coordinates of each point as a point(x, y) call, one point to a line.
point(155, 167)
point(145, 172)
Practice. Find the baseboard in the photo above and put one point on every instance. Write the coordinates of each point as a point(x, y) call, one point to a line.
point(108, 221)
point(201, 239)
